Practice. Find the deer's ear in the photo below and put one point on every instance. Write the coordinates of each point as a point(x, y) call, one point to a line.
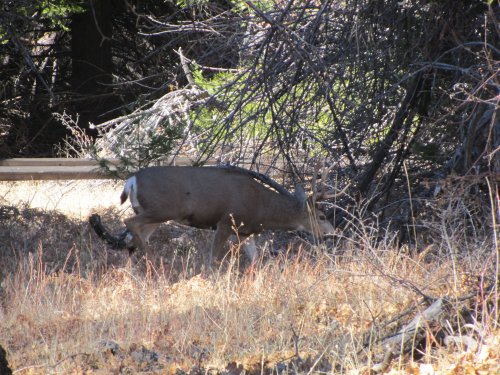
point(300, 194)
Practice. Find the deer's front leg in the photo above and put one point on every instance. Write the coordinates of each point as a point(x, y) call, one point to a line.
point(217, 250)
point(250, 248)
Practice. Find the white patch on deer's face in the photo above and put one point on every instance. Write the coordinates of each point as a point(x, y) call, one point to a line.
point(327, 227)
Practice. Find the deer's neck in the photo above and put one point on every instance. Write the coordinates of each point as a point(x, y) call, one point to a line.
point(284, 213)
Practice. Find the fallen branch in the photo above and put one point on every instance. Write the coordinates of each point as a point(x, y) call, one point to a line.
point(118, 242)
point(405, 340)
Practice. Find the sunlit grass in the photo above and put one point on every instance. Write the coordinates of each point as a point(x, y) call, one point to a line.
point(64, 301)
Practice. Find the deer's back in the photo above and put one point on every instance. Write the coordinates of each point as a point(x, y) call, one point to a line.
point(199, 196)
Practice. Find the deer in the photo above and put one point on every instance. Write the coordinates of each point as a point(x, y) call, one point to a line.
point(224, 198)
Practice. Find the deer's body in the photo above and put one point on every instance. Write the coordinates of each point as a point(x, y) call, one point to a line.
point(215, 198)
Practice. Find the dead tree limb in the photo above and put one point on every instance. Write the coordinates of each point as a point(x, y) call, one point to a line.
point(407, 338)
point(404, 114)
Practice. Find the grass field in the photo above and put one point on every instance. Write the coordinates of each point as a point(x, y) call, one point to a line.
point(70, 305)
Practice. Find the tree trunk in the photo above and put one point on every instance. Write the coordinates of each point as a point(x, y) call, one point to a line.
point(383, 147)
point(92, 64)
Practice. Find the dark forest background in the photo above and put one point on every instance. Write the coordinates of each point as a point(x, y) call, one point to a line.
point(398, 98)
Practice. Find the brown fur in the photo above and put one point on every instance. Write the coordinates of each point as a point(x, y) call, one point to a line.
point(216, 198)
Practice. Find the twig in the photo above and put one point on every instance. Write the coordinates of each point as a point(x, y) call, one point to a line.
point(185, 68)
point(72, 356)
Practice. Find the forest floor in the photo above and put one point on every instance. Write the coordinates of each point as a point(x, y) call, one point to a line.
point(71, 305)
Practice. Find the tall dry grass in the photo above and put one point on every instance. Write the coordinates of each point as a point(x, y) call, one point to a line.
point(69, 305)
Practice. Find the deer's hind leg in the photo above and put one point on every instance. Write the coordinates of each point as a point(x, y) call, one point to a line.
point(141, 228)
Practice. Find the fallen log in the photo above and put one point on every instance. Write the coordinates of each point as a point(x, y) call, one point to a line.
point(404, 340)
point(117, 242)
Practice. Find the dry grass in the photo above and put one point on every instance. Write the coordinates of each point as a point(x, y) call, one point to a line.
point(69, 305)
point(75, 199)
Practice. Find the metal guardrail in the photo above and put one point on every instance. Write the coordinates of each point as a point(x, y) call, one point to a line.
point(27, 169)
